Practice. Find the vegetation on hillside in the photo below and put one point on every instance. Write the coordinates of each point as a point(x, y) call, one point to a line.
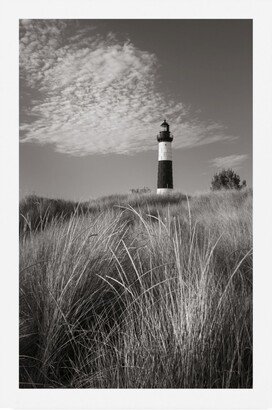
point(227, 179)
point(137, 291)
point(36, 212)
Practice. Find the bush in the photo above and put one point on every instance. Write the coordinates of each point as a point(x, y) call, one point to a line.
point(226, 179)
point(144, 190)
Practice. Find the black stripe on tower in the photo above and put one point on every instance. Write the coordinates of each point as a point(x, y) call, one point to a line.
point(165, 174)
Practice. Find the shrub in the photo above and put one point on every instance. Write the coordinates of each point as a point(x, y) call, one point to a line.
point(144, 190)
point(226, 179)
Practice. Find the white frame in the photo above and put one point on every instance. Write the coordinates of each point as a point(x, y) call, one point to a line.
point(258, 397)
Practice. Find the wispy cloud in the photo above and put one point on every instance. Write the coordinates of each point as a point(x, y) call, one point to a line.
point(93, 94)
point(230, 161)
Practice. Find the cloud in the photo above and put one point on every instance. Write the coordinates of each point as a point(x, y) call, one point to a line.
point(92, 94)
point(230, 161)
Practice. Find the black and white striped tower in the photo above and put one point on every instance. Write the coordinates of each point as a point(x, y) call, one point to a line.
point(165, 170)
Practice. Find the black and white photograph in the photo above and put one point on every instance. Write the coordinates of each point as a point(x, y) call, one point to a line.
point(135, 214)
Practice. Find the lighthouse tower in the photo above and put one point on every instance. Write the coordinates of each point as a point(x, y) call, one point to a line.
point(165, 171)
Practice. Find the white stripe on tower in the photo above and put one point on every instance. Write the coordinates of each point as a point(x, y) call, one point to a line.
point(164, 191)
point(165, 151)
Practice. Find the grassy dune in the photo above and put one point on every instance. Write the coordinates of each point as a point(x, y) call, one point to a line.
point(137, 292)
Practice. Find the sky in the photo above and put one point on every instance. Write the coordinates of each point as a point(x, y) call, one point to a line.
point(93, 94)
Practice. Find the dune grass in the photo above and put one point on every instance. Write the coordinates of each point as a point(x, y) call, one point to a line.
point(36, 212)
point(138, 292)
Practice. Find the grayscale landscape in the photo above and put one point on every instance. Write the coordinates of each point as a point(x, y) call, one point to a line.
point(135, 213)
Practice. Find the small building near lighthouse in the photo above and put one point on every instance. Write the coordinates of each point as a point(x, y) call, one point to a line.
point(165, 167)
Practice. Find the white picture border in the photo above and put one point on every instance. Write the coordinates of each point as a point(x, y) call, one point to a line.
point(258, 397)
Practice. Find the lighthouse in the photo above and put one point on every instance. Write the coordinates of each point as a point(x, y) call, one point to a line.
point(165, 169)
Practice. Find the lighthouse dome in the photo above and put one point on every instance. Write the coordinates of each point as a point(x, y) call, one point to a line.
point(165, 125)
